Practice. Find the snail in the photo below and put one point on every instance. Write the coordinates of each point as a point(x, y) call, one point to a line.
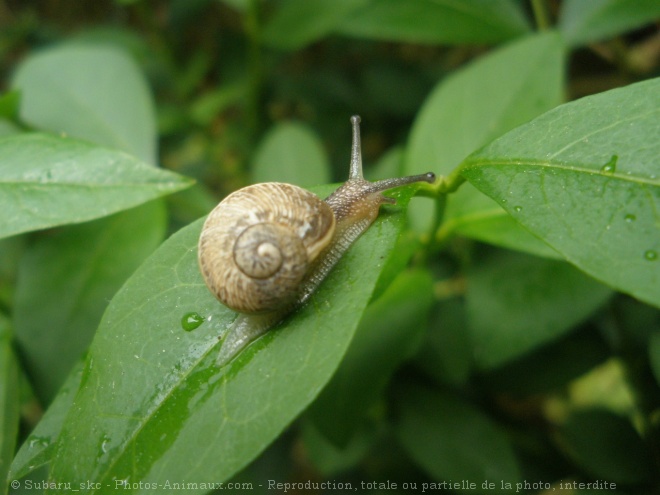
point(265, 248)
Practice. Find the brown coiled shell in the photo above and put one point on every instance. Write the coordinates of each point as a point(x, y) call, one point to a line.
point(257, 245)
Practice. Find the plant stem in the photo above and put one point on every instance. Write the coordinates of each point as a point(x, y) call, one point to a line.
point(540, 10)
point(452, 182)
point(438, 217)
point(439, 192)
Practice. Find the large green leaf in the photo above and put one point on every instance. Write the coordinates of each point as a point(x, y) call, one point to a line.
point(151, 393)
point(470, 108)
point(91, 92)
point(291, 152)
point(437, 21)
point(584, 177)
point(516, 303)
point(9, 402)
point(452, 440)
point(47, 181)
point(65, 281)
point(584, 22)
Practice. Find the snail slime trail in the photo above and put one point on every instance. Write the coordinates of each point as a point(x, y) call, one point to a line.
point(265, 249)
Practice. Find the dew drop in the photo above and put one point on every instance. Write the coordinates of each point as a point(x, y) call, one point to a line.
point(190, 321)
point(517, 209)
point(105, 445)
point(610, 167)
point(651, 255)
point(38, 442)
point(630, 218)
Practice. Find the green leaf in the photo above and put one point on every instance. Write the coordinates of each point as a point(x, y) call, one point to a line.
point(291, 152)
point(439, 21)
point(95, 93)
point(388, 334)
point(584, 178)
point(452, 440)
point(550, 367)
point(475, 215)
point(39, 447)
point(585, 22)
point(298, 23)
point(470, 108)
point(151, 391)
point(485, 99)
point(47, 181)
point(329, 459)
point(607, 446)
point(516, 303)
point(447, 354)
point(9, 403)
point(65, 281)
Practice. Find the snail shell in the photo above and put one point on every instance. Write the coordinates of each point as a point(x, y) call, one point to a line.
point(257, 245)
point(266, 248)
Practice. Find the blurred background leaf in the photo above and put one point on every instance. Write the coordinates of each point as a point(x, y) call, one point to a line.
point(77, 90)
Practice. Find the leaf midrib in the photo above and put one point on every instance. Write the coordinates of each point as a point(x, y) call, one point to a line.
point(508, 162)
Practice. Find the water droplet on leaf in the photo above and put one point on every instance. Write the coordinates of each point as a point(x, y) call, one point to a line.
point(630, 218)
point(35, 441)
point(190, 321)
point(517, 209)
point(651, 255)
point(610, 167)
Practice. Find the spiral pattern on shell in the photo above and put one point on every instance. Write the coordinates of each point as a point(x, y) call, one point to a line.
point(257, 245)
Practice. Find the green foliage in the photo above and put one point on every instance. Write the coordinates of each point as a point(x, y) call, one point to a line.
point(50, 181)
point(189, 395)
point(501, 333)
point(452, 440)
point(95, 105)
point(511, 293)
point(587, 185)
point(584, 22)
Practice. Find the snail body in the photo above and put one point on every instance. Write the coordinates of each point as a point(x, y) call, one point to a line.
point(265, 248)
